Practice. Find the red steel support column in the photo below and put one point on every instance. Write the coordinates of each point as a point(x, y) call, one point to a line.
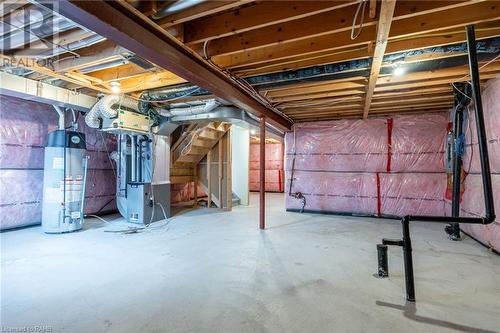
point(262, 197)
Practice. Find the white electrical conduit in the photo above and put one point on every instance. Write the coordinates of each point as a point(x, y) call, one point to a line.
point(103, 108)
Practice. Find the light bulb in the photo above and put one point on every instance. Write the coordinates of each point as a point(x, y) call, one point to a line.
point(398, 71)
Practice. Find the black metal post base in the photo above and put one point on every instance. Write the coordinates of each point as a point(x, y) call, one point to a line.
point(405, 243)
point(453, 231)
point(383, 267)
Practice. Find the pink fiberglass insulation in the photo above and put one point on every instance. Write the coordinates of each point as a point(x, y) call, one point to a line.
point(390, 166)
point(184, 192)
point(412, 193)
point(24, 126)
point(473, 199)
point(273, 164)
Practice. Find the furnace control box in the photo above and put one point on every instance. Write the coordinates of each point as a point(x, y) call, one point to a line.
point(127, 122)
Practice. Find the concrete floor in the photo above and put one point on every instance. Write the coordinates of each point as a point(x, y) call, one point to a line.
point(212, 271)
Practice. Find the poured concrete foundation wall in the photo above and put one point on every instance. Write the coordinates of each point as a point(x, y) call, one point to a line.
point(274, 167)
point(24, 126)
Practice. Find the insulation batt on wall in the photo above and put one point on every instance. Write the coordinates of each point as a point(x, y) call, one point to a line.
point(473, 199)
point(391, 167)
point(380, 167)
point(24, 126)
point(274, 167)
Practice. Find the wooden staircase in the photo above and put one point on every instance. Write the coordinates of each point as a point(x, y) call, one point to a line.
point(192, 147)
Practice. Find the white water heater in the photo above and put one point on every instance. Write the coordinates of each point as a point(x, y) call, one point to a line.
point(64, 178)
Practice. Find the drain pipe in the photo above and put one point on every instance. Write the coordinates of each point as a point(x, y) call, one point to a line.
point(489, 217)
point(60, 112)
point(461, 101)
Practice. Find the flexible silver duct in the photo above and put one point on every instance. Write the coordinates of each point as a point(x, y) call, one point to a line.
point(103, 108)
point(191, 110)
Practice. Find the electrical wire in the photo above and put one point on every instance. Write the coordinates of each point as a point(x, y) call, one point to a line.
point(468, 74)
point(241, 82)
point(194, 136)
point(107, 152)
point(362, 4)
point(97, 217)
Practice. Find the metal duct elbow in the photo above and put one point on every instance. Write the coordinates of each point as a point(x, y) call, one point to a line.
point(104, 108)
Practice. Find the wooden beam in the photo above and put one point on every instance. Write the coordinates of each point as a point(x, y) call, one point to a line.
point(209, 178)
point(118, 73)
point(383, 28)
point(124, 25)
point(373, 8)
point(220, 171)
point(196, 12)
point(402, 28)
point(229, 174)
point(150, 81)
point(259, 15)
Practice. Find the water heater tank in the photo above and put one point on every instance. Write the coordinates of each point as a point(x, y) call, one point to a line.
point(64, 177)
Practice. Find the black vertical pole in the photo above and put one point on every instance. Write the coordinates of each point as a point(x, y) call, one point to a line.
point(481, 132)
point(408, 261)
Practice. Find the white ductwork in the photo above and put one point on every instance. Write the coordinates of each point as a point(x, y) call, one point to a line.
point(20, 87)
point(104, 108)
point(60, 112)
point(192, 110)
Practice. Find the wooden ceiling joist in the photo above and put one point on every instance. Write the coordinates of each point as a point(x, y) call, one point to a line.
point(383, 28)
point(196, 12)
point(454, 18)
point(127, 27)
point(257, 16)
point(331, 22)
point(443, 38)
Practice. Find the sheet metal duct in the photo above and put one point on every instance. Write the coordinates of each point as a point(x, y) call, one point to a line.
point(175, 7)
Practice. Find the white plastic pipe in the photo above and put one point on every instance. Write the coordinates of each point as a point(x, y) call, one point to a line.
point(60, 112)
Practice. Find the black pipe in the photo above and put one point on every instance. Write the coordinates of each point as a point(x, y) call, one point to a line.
point(383, 266)
point(485, 171)
point(408, 261)
point(481, 132)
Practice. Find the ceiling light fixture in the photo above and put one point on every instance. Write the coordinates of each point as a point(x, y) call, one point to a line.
point(398, 71)
point(115, 87)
